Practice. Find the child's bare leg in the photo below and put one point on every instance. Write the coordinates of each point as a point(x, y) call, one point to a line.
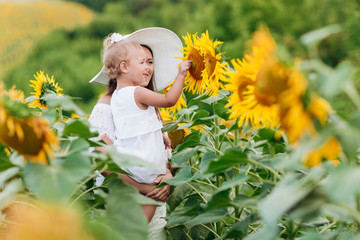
point(149, 211)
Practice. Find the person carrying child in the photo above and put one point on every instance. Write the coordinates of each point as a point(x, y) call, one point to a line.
point(133, 105)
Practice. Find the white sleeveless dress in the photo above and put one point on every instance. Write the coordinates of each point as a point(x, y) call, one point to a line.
point(138, 133)
point(101, 119)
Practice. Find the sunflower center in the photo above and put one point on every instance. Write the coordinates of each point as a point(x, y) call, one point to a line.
point(243, 86)
point(197, 64)
point(271, 81)
point(31, 144)
point(210, 62)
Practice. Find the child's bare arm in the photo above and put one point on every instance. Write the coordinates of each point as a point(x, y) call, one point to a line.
point(146, 97)
point(141, 187)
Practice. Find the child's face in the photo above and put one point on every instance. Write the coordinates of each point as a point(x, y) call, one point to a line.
point(139, 70)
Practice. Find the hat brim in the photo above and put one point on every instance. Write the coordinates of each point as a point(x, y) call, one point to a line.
point(165, 46)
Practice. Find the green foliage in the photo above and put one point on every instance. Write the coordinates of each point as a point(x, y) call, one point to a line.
point(232, 22)
point(96, 5)
point(68, 178)
point(231, 182)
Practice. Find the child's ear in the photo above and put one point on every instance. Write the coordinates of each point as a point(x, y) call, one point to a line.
point(123, 67)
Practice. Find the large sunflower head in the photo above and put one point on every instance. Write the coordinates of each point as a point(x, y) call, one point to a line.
point(271, 81)
point(215, 68)
point(296, 119)
point(254, 94)
point(197, 78)
point(41, 85)
point(20, 130)
point(28, 221)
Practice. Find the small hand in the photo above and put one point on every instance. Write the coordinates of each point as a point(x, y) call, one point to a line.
point(161, 194)
point(184, 66)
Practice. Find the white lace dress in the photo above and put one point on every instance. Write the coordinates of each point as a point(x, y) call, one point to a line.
point(101, 120)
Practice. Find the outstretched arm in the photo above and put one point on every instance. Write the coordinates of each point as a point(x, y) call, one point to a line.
point(146, 97)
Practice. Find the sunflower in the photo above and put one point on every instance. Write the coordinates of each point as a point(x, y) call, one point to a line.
point(296, 117)
point(216, 70)
point(29, 135)
point(166, 115)
point(29, 221)
point(296, 122)
point(176, 135)
point(181, 103)
point(197, 78)
point(42, 84)
point(330, 151)
point(253, 96)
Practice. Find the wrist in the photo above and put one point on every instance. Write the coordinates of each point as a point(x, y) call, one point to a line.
point(182, 75)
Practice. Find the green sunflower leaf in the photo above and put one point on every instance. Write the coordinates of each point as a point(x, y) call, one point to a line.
point(66, 102)
point(78, 127)
point(230, 159)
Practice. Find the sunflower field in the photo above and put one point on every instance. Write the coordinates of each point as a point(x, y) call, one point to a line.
point(258, 153)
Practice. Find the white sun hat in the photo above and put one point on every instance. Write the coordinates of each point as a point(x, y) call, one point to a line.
point(165, 46)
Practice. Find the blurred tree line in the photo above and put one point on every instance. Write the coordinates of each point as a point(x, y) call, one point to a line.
point(73, 57)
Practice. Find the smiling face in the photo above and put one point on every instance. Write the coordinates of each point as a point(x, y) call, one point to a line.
point(138, 70)
point(149, 61)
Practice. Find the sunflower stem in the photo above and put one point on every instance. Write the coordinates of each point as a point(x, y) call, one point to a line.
point(219, 179)
point(61, 117)
point(199, 193)
point(216, 235)
point(85, 181)
point(83, 193)
point(328, 226)
point(236, 137)
point(236, 172)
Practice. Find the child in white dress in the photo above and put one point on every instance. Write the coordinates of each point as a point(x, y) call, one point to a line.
point(137, 128)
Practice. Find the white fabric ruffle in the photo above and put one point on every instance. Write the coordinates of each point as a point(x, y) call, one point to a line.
point(102, 121)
